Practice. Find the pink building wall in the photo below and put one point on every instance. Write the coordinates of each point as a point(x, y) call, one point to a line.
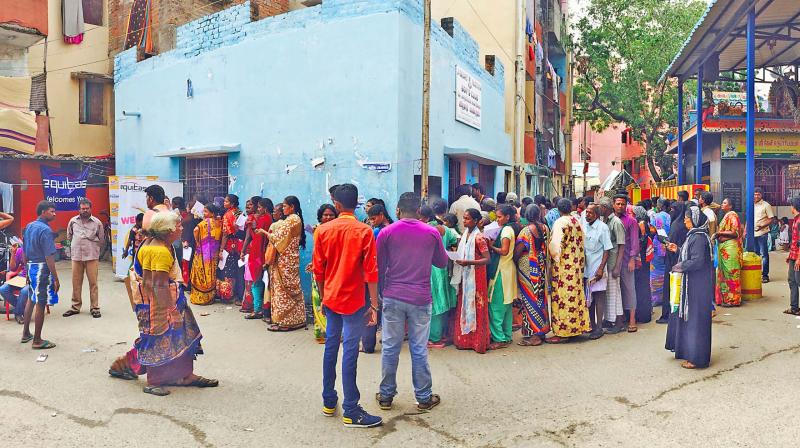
point(606, 146)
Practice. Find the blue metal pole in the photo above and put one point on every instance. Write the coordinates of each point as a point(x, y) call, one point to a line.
point(698, 169)
point(751, 129)
point(681, 177)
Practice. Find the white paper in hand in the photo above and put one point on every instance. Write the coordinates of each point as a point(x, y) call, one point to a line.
point(223, 259)
point(453, 255)
point(197, 209)
point(187, 253)
point(492, 231)
point(241, 221)
point(241, 262)
point(662, 232)
point(265, 278)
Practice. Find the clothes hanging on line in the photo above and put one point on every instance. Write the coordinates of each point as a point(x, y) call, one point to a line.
point(72, 14)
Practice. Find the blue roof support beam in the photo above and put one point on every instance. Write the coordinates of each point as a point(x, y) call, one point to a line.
point(681, 170)
point(698, 169)
point(750, 163)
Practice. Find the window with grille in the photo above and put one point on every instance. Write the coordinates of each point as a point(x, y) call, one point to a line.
point(206, 177)
point(777, 180)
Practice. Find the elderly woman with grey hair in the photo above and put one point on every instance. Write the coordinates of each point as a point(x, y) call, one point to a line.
point(169, 337)
point(689, 331)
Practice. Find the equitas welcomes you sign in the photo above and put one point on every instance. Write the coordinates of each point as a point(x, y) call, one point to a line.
point(64, 187)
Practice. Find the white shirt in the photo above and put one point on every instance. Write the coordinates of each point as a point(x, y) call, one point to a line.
point(597, 239)
point(762, 212)
point(463, 204)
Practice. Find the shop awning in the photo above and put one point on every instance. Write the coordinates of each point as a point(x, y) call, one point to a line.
point(201, 151)
point(478, 156)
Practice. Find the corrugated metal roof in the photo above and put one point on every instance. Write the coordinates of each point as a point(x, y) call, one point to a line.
point(722, 28)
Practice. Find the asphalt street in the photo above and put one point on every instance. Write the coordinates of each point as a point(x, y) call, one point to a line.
point(622, 390)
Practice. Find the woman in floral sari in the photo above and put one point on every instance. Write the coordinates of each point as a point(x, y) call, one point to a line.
point(661, 221)
point(202, 276)
point(470, 327)
point(288, 236)
point(729, 288)
point(230, 284)
point(531, 255)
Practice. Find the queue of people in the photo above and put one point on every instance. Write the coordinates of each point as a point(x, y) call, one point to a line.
point(467, 274)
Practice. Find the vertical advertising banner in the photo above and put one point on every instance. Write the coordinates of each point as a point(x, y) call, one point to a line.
point(64, 187)
point(127, 199)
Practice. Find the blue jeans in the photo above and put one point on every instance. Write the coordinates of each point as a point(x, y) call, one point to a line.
point(762, 248)
point(396, 314)
point(7, 292)
point(349, 329)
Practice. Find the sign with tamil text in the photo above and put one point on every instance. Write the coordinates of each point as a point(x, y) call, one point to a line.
point(127, 199)
point(767, 145)
point(64, 187)
point(468, 98)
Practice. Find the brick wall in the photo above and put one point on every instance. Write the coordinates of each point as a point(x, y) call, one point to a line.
point(170, 14)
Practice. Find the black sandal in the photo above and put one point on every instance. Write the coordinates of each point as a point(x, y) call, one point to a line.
point(125, 375)
point(253, 316)
point(96, 314)
point(202, 382)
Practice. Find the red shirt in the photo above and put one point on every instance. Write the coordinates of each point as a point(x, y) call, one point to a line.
point(344, 258)
point(794, 246)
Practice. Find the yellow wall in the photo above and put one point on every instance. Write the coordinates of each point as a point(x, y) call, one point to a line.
point(91, 55)
point(497, 16)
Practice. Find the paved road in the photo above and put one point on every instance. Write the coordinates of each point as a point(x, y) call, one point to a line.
point(623, 390)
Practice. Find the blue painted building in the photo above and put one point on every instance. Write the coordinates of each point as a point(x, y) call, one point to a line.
point(295, 103)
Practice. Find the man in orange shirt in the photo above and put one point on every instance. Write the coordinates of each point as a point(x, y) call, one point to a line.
point(344, 259)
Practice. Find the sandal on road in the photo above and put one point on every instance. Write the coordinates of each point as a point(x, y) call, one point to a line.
point(70, 312)
point(792, 311)
point(156, 390)
point(201, 382)
point(530, 342)
point(26, 339)
point(45, 345)
point(123, 375)
point(96, 314)
point(280, 328)
point(633, 329)
point(688, 365)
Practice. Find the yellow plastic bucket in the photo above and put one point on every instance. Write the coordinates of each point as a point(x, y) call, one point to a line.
point(751, 276)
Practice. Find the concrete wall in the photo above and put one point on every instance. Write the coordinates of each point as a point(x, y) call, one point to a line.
point(341, 81)
point(13, 61)
point(69, 136)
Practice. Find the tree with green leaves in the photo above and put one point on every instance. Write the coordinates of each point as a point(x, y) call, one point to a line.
point(622, 48)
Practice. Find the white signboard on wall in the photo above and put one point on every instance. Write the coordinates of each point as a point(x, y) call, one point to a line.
point(127, 199)
point(468, 98)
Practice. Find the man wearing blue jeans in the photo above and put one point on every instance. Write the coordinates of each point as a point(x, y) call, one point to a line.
point(763, 218)
point(406, 251)
point(344, 259)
